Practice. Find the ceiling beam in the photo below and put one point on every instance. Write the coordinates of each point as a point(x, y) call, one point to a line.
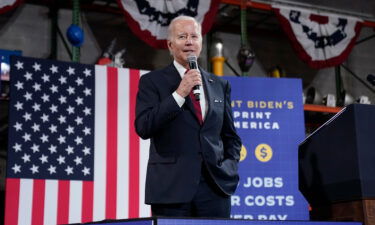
point(268, 7)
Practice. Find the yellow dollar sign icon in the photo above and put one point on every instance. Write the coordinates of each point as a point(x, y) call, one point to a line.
point(243, 153)
point(263, 152)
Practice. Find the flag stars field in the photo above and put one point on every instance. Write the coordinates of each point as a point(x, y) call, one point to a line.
point(61, 142)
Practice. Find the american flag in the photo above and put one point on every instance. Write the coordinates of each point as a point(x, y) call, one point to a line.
point(73, 153)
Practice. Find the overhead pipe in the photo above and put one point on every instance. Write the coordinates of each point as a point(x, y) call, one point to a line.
point(268, 7)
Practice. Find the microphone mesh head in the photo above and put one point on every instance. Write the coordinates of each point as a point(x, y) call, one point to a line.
point(192, 58)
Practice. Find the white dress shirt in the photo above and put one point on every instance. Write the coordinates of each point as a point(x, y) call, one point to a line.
point(180, 100)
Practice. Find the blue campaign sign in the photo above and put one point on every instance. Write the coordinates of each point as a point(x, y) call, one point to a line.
point(245, 222)
point(131, 222)
point(201, 221)
point(268, 116)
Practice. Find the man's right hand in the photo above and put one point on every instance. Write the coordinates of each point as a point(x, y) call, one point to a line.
point(191, 78)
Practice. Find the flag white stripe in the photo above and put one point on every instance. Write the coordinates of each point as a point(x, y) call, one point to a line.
point(100, 143)
point(157, 30)
point(328, 29)
point(145, 210)
point(25, 202)
point(144, 145)
point(75, 201)
point(123, 145)
point(4, 3)
point(50, 202)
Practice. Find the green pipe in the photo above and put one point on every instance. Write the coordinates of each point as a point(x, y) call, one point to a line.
point(76, 16)
point(244, 29)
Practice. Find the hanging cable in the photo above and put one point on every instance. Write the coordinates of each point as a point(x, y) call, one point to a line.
point(245, 55)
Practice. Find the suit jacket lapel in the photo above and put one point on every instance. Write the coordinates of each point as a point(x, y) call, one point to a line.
point(172, 76)
point(207, 85)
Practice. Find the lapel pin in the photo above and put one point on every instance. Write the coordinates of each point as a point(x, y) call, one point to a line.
point(210, 80)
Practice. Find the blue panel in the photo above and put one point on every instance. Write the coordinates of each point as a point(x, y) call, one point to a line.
point(245, 222)
point(268, 115)
point(172, 221)
point(131, 222)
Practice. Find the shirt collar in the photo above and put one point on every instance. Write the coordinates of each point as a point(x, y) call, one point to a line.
point(181, 70)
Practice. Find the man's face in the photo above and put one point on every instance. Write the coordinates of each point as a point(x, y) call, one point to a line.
point(185, 40)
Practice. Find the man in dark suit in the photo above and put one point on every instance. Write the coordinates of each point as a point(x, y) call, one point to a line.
point(194, 151)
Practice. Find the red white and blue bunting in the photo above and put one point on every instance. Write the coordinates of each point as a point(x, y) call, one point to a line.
point(321, 40)
point(7, 5)
point(149, 20)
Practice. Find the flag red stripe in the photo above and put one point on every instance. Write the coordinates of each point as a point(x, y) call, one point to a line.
point(87, 201)
point(39, 189)
point(63, 202)
point(12, 198)
point(112, 105)
point(133, 148)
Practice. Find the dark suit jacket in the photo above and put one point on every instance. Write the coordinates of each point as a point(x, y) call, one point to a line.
point(174, 166)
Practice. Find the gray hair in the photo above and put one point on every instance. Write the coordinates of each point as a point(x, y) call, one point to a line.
point(182, 18)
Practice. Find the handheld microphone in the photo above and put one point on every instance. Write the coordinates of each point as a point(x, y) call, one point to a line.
point(193, 64)
point(371, 78)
